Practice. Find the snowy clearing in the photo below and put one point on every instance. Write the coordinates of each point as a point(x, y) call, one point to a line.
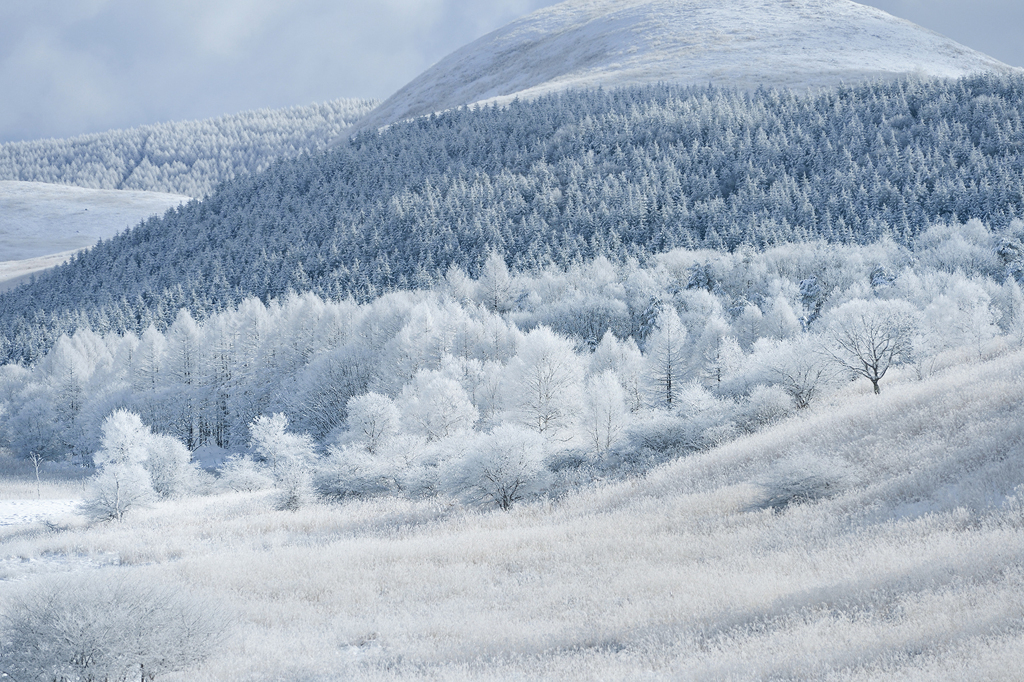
point(746, 44)
point(41, 224)
point(16, 512)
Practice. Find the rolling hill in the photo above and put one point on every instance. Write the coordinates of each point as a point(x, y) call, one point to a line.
point(560, 180)
point(741, 44)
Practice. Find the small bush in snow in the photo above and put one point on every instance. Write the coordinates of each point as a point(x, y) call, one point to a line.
point(290, 457)
point(106, 628)
point(504, 467)
point(805, 478)
point(767, 405)
point(241, 474)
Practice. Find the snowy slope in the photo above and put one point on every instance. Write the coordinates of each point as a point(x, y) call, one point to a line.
point(742, 43)
point(905, 566)
point(42, 224)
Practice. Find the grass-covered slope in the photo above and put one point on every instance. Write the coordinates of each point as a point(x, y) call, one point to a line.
point(182, 157)
point(562, 179)
point(878, 537)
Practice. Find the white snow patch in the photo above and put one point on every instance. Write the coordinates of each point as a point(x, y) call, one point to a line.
point(741, 43)
point(18, 512)
point(41, 224)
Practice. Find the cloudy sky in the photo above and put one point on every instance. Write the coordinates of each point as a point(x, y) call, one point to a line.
point(76, 66)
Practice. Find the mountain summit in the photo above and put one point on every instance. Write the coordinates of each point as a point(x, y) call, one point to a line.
point(731, 43)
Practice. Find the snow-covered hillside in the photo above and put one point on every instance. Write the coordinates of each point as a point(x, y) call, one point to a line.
point(182, 157)
point(742, 43)
point(42, 224)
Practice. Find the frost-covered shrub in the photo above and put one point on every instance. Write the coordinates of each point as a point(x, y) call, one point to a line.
point(805, 477)
point(501, 468)
point(698, 420)
point(170, 468)
point(354, 471)
point(289, 457)
point(241, 474)
point(766, 405)
point(116, 490)
point(104, 627)
point(661, 431)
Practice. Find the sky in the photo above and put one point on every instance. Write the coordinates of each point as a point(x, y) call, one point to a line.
point(69, 67)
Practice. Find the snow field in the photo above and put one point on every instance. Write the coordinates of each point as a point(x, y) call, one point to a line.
point(15, 512)
point(908, 567)
point(43, 225)
point(38, 219)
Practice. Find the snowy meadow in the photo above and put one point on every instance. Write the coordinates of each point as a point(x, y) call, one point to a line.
point(661, 382)
point(869, 537)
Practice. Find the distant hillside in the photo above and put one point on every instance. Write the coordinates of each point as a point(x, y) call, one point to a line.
point(741, 43)
point(184, 157)
point(564, 179)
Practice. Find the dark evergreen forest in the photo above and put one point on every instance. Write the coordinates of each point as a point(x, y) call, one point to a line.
point(561, 180)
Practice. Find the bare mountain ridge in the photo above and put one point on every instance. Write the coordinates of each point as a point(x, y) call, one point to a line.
point(742, 43)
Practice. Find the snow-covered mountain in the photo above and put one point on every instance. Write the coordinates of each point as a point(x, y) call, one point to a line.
point(738, 43)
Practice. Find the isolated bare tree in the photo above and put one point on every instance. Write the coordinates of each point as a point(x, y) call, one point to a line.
point(867, 338)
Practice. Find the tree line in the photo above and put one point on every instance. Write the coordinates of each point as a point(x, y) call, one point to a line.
point(182, 157)
point(504, 385)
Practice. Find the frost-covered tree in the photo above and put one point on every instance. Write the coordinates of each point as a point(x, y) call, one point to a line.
point(373, 420)
point(627, 362)
point(666, 355)
point(436, 406)
point(123, 483)
point(605, 412)
point(545, 384)
point(495, 285)
point(867, 338)
point(797, 365)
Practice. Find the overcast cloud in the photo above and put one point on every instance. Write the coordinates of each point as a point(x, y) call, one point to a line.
point(75, 66)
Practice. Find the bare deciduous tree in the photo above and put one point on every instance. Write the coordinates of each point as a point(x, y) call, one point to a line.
point(869, 337)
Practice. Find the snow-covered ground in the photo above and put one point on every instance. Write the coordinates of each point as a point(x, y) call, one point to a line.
point(741, 43)
point(16, 512)
point(42, 224)
point(874, 538)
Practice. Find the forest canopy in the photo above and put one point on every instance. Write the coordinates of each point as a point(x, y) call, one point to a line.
point(561, 180)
